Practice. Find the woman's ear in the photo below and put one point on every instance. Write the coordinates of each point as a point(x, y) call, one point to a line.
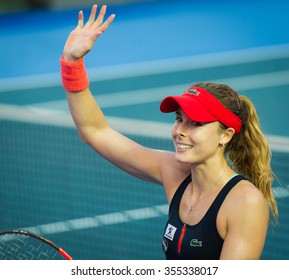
point(227, 136)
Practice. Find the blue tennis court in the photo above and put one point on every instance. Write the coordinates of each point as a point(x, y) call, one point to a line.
point(54, 185)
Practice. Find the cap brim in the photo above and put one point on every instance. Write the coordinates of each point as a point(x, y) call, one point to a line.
point(193, 109)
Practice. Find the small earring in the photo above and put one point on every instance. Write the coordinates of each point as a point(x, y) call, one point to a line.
point(223, 146)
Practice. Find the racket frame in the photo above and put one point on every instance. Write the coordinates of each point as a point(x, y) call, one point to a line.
point(40, 238)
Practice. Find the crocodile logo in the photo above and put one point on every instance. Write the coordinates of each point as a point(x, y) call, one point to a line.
point(193, 91)
point(196, 243)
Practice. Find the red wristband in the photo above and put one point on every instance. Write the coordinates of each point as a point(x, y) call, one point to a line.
point(73, 74)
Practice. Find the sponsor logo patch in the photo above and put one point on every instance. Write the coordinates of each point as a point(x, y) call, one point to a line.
point(165, 244)
point(170, 232)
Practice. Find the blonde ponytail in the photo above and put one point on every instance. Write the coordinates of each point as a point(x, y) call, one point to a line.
point(248, 152)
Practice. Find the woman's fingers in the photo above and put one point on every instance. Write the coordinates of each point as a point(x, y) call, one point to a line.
point(92, 15)
point(80, 19)
point(100, 17)
point(106, 24)
point(97, 23)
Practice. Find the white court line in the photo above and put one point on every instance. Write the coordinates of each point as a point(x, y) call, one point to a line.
point(124, 125)
point(101, 220)
point(153, 67)
point(142, 96)
point(117, 217)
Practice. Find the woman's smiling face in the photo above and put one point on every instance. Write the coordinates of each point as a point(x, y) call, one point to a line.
point(195, 142)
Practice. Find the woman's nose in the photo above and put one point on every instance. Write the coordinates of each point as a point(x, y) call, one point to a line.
point(181, 131)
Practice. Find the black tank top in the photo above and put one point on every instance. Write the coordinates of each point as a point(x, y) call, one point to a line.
point(197, 242)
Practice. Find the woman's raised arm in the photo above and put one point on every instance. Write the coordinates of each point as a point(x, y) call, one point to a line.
point(88, 117)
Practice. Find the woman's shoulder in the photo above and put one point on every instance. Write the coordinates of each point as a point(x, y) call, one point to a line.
point(244, 207)
point(245, 196)
point(246, 192)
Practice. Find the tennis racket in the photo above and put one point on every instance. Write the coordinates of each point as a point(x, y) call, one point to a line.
point(25, 245)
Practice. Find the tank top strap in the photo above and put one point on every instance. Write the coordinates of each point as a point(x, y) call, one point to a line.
point(174, 205)
point(224, 192)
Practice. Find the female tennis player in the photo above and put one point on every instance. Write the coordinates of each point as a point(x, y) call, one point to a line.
point(217, 181)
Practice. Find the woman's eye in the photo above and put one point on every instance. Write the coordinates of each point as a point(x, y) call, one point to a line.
point(197, 123)
point(178, 119)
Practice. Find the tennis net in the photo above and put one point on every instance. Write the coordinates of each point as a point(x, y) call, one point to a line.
point(54, 185)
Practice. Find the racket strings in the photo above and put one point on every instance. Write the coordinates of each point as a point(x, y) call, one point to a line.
point(23, 247)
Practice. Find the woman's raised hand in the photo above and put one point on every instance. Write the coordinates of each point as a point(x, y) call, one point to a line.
point(83, 37)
